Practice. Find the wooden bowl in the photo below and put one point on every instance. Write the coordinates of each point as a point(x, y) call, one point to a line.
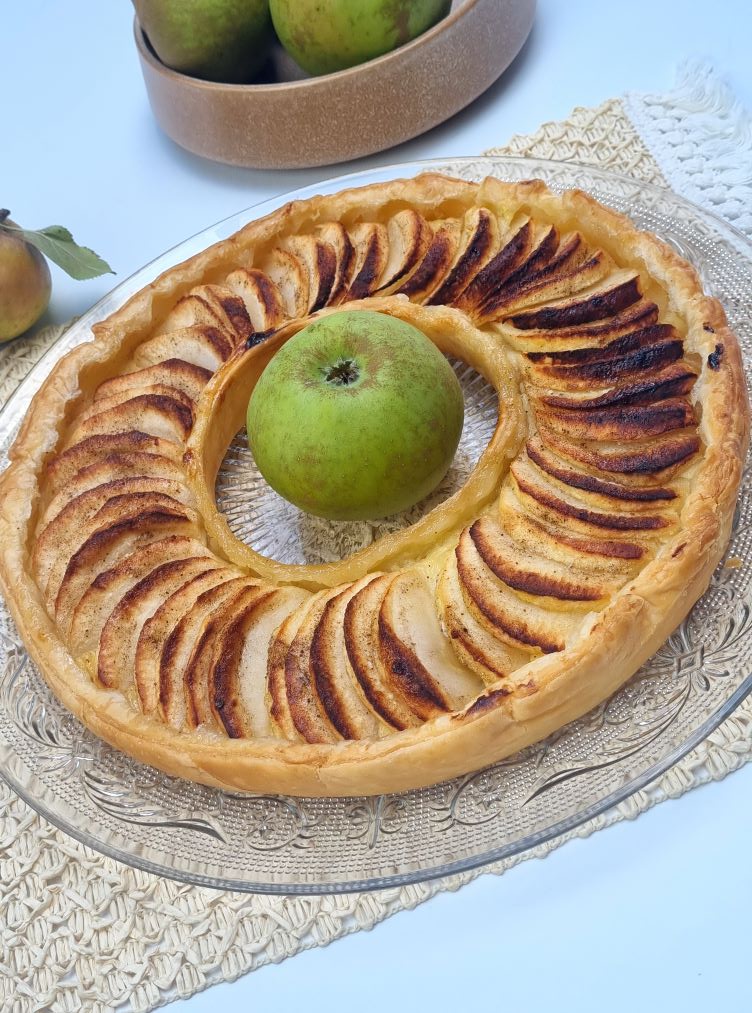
point(320, 120)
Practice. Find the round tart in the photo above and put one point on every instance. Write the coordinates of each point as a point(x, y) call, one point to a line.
point(588, 528)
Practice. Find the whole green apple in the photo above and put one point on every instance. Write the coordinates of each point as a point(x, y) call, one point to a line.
point(25, 283)
point(357, 416)
point(327, 35)
point(219, 40)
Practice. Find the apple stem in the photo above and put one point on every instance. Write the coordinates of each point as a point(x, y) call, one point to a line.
point(342, 373)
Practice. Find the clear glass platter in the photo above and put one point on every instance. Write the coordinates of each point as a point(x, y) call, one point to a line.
point(269, 843)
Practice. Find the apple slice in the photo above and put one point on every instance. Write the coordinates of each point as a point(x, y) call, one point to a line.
point(124, 396)
point(276, 682)
point(320, 264)
point(337, 688)
point(112, 468)
point(408, 238)
point(82, 627)
point(482, 652)
point(114, 540)
point(416, 657)
point(515, 247)
point(62, 468)
point(209, 306)
point(156, 414)
point(478, 244)
point(618, 422)
point(261, 298)
point(436, 263)
point(540, 343)
point(672, 381)
point(613, 294)
point(154, 632)
point(197, 673)
point(206, 346)
point(658, 456)
point(361, 637)
point(519, 622)
point(334, 234)
point(238, 678)
point(290, 277)
point(531, 269)
point(176, 374)
point(371, 249)
point(175, 702)
point(119, 637)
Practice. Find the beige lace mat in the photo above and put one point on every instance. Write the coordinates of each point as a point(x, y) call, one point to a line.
point(79, 931)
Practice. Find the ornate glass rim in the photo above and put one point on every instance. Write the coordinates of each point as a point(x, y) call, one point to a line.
point(141, 853)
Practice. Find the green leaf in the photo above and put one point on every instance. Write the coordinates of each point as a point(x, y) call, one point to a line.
point(58, 244)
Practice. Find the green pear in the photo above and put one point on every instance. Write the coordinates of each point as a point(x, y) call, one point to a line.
point(219, 40)
point(323, 36)
point(25, 283)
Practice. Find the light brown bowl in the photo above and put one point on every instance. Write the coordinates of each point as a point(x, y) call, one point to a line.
point(336, 117)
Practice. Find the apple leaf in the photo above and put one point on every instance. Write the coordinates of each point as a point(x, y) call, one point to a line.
point(58, 244)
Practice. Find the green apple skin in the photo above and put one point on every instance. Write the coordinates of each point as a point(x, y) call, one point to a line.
point(324, 36)
point(25, 285)
point(361, 449)
point(218, 40)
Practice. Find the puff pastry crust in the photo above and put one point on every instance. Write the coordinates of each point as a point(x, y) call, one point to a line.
point(589, 527)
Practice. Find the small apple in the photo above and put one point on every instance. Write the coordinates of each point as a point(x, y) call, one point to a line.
point(25, 283)
point(219, 40)
point(356, 417)
point(323, 36)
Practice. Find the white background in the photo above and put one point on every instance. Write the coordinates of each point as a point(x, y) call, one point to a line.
point(650, 915)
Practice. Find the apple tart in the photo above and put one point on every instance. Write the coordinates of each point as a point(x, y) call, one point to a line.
point(588, 528)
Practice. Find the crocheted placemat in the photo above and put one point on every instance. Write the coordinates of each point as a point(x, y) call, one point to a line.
point(80, 931)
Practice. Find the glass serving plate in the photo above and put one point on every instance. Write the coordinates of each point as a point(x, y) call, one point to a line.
point(269, 843)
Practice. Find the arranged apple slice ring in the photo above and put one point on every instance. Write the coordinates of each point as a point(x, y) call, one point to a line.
point(589, 526)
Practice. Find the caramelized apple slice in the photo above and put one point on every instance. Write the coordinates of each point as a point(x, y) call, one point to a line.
point(636, 317)
point(371, 249)
point(175, 374)
point(415, 655)
point(155, 631)
point(276, 681)
point(156, 414)
point(160, 390)
point(361, 637)
point(515, 248)
point(408, 238)
point(478, 244)
point(656, 457)
point(209, 306)
point(613, 294)
point(483, 653)
point(204, 346)
point(436, 263)
point(84, 624)
point(320, 264)
point(119, 637)
point(60, 471)
point(238, 679)
point(261, 297)
point(291, 280)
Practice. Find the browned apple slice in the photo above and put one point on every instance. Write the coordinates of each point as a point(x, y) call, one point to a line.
point(320, 264)
point(337, 688)
point(334, 234)
point(84, 624)
point(114, 540)
point(370, 252)
point(609, 370)
point(538, 493)
point(517, 621)
point(156, 414)
point(202, 345)
point(276, 683)
point(157, 628)
point(95, 511)
point(529, 270)
point(64, 533)
point(656, 457)
point(436, 263)
point(490, 658)
point(631, 339)
point(618, 422)
point(261, 297)
point(212, 306)
point(478, 244)
point(175, 703)
point(613, 294)
point(122, 397)
point(89, 452)
point(515, 247)
point(291, 280)
point(361, 636)
point(408, 238)
point(416, 657)
point(176, 374)
point(197, 674)
point(669, 382)
point(540, 343)
point(305, 708)
point(532, 573)
point(120, 633)
point(238, 678)
point(111, 468)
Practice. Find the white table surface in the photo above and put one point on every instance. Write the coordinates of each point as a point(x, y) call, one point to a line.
point(652, 914)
